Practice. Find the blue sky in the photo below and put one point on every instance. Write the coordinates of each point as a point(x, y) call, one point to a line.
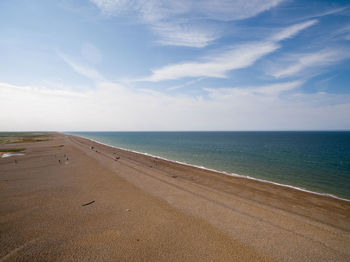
point(174, 65)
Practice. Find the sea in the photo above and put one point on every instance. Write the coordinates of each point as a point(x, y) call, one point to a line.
point(316, 161)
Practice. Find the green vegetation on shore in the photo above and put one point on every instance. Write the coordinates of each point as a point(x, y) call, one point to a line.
point(6, 150)
point(23, 137)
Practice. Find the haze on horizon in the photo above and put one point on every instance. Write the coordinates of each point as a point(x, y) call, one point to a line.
point(118, 65)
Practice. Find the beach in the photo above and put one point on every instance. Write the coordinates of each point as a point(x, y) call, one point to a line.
point(73, 199)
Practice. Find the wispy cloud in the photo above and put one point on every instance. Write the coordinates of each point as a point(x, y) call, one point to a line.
point(297, 64)
point(292, 30)
point(224, 10)
point(177, 34)
point(265, 90)
point(177, 22)
point(343, 32)
point(329, 11)
point(88, 72)
point(332, 11)
point(188, 83)
point(39, 90)
point(219, 64)
point(277, 89)
point(227, 10)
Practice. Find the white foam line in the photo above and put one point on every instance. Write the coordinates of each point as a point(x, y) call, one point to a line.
point(217, 171)
point(11, 154)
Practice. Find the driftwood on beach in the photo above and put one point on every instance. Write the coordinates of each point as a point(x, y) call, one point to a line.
point(89, 203)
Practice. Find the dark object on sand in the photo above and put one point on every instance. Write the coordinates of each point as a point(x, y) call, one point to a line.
point(174, 176)
point(67, 158)
point(59, 161)
point(117, 157)
point(92, 147)
point(89, 203)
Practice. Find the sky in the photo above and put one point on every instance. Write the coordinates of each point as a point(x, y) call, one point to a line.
point(136, 65)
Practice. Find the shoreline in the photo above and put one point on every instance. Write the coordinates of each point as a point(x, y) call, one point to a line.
point(218, 171)
point(60, 204)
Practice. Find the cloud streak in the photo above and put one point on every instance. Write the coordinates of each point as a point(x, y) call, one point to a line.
point(292, 30)
point(176, 22)
point(177, 34)
point(219, 64)
point(88, 72)
point(298, 64)
point(272, 90)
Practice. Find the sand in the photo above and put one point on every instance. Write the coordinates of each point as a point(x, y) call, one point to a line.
point(148, 209)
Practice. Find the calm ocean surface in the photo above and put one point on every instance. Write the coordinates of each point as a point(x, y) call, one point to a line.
point(316, 161)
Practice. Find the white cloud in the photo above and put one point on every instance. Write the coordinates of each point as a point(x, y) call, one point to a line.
point(332, 11)
point(223, 10)
point(293, 30)
point(236, 57)
point(228, 10)
point(216, 65)
point(41, 91)
point(176, 22)
point(297, 64)
point(183, 35)
point(88, 72)
point(325, 13)
point(271, 90)
point(111, 106)
point(342, 33)
point(188, 83)
point(276, 89)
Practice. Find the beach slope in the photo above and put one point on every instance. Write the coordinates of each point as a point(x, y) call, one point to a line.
point(71, 199)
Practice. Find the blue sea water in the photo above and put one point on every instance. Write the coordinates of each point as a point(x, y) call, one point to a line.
point(316, 161)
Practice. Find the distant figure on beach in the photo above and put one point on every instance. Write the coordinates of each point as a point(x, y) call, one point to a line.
point(92, 148)
point(59, 161)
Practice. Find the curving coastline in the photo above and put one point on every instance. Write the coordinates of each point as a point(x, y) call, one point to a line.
point(218, 171)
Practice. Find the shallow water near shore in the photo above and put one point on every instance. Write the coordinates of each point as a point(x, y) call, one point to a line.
point(316, 161)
